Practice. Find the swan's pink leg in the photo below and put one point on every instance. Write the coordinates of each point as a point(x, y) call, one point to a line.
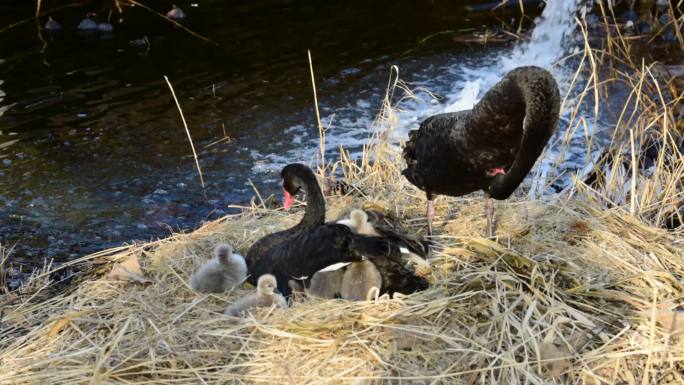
point(430, 215)
point(489, 214)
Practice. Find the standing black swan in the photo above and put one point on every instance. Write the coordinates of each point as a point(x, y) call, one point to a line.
point(312, 245)
point(491, 147)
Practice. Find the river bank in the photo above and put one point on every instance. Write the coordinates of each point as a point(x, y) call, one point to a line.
point(568, 291)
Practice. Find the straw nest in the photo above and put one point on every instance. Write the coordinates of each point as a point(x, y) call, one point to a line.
point(567, 293)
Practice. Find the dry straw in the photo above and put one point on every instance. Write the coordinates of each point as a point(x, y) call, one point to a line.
point(583, 289)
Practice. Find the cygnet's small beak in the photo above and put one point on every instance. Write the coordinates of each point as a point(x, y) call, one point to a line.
point(277, 291)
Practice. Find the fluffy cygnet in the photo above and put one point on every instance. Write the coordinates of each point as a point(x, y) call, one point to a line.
point(326, 284)
point(265, 296)
point(223, 272)
point(359, 279)
point(358, 222)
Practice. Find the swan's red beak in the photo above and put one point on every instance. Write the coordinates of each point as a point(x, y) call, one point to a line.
point(287, 199)
point(496, 171)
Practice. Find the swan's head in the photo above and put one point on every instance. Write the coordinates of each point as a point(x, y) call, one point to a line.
point(296, 177)
point(500, 187)
point(224, 254)
point(267, 284)
point(223, 250)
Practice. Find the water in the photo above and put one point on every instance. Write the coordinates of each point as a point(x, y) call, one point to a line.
point(92, 150)
point(463, 86)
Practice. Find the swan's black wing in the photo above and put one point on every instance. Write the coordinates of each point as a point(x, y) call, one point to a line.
point(434, 151)
point(453, 153)
point(311, 250)
point(540, 92)
point(413, 242)
point(397, 278)
point(259, 248)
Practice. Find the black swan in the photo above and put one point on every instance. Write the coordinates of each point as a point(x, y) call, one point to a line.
point(354, 280)
point(491, 147)
point(312, 244)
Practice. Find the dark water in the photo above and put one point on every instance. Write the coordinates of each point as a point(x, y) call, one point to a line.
point(92, 150)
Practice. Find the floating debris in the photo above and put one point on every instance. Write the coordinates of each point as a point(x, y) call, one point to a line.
point(175, 13)
point(142, 43)
point(87, 24)
point(105, 27)
point(52, 26)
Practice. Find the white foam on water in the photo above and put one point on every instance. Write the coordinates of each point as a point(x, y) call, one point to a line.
point(548, 43)
point(467, 98)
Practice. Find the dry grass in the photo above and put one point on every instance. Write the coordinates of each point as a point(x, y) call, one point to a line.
point(578, 289)
point(565, 294)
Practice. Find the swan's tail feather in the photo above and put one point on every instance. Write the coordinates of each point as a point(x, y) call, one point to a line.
point(415, 243)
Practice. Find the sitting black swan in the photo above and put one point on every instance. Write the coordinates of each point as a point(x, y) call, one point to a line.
point(312, 244)
point(491, 147)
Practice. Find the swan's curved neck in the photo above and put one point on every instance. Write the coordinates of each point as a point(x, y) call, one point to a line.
point(499, 115)
point(314, 215)
point(530, 98)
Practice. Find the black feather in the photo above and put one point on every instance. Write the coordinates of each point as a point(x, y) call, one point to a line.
point(452, 153)
point(312, 245)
